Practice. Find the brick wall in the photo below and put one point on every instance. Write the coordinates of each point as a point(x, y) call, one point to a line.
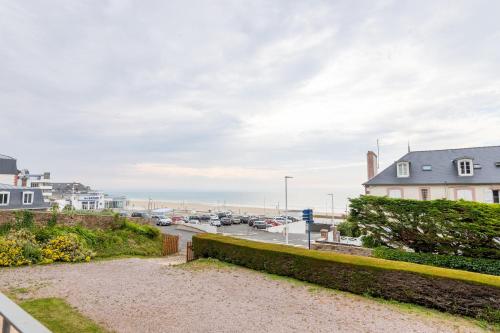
point(88, 221)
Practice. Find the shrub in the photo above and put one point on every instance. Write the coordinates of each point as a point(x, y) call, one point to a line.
point(5, 228)
point(19, 248)
point(24, 219)
point(11, 253)
point(460, 292)
point(370, 241)
point(438, 226)
point(143, 229)
point(349, 229)
point(53, 217)
point(480, 265)
point(65, 248)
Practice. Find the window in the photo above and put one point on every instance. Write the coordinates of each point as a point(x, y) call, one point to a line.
point(85, 205)
point(424, 194)
point(395, 193)
point(403, 169)
point(4, 198)
point(465, 168)
point(464, 194)
point(27, 198)
point(496, 198)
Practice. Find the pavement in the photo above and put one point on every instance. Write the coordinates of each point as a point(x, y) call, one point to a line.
point(245, 232)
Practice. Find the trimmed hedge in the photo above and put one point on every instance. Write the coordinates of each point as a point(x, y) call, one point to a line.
point(465, 228)
point(480, 265)
point(460, 292)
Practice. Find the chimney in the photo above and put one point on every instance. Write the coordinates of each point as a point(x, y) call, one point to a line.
point(371, 161)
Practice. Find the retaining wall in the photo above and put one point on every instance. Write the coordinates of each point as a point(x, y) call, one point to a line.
point(88, 221)
point(342, 248)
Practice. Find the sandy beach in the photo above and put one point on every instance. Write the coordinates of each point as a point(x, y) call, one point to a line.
point(192, 207)
point(188, 207)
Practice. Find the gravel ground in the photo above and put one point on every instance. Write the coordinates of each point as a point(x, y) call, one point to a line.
point(149, 295)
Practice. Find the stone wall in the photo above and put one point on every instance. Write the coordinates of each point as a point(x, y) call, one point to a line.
point(88, 221)
point(342, 248)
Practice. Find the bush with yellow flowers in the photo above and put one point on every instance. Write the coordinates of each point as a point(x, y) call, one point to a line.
point(11, 254)
point(66, 248)
point(20, 247)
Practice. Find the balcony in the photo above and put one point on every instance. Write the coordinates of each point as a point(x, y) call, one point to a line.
point(15, 319)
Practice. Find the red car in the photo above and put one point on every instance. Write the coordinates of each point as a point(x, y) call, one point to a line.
point(176, 219)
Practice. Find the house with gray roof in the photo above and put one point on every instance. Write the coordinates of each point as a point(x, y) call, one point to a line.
point(21, 198)
point(466, 173)
point(13, 197)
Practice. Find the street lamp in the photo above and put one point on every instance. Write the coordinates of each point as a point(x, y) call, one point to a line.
point(286, 207)
point(333, 216)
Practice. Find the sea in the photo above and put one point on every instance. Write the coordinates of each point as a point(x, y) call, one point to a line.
point(297, 200)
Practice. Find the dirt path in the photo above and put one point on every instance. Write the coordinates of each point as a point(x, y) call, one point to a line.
point(149, 295)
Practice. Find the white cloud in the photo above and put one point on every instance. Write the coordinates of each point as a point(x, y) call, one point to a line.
point(236, 94)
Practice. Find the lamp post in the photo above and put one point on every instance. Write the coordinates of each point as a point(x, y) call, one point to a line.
point(333, 216)
point(286, 207)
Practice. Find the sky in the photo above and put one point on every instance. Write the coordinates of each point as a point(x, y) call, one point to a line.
point(234, 95)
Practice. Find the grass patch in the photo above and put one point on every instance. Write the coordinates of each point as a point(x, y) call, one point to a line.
point(125, 242)
point(59, 317)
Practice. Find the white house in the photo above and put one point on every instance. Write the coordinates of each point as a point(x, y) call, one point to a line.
point(467, 173)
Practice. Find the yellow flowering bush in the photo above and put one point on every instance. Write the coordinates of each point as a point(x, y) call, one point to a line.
point(66, 248)
point(20, 247)
point(11, 253)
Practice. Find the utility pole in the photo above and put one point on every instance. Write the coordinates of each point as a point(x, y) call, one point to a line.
point(333, 214)
point(286, 207)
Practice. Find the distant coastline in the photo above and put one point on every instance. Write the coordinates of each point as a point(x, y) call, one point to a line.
point(268, 202)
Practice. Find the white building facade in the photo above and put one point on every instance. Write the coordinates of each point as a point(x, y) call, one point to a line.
point(471, 174)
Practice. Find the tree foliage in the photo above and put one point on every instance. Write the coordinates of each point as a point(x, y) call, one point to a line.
point(460, 227)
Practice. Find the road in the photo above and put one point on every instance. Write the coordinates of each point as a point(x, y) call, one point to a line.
point(245, 232)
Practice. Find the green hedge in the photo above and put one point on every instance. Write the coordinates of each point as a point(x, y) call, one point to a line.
point(463, 228)
point(480, 265)
point(460, 292)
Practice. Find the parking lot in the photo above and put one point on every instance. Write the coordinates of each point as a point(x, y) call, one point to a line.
point(246, 232)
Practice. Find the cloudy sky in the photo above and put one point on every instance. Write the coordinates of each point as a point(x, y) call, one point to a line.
point(233, 95)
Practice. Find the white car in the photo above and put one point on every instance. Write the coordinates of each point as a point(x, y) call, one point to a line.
point(215, 222)
point(164, 221)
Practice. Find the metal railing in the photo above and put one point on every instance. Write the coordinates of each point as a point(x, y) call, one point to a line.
point(16, 319)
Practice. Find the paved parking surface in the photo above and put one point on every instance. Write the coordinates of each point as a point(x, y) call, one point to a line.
point(246, 232)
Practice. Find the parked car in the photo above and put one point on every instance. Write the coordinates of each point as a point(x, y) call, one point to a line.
point(194, 220)
point(252, 220)
point(138, 214)
point(164, 221)
point(290, 218)
point(260, 224)
point(225, 221)
point(176, 219)
point(235, 220)
point(273, 223)
point(215, 222)
point(205, 217)
point(245, 219)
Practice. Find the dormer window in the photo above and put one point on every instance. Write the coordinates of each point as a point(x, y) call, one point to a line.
point(403, 169)
point(465, 167)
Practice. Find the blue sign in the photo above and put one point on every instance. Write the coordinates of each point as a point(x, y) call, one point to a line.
point(307, 215)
